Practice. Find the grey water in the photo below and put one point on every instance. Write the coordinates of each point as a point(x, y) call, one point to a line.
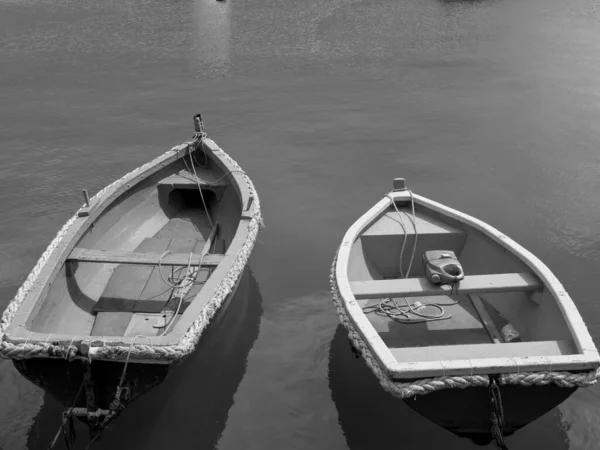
point(490, 106)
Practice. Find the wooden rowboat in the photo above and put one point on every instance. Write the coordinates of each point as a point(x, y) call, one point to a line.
point(436, 300)
point(131, 282)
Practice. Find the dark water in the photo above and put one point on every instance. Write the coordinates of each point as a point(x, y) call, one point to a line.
point(492, 107)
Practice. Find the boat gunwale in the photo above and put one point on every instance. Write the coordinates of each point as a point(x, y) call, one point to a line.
point(587, 358)
point(16, 333)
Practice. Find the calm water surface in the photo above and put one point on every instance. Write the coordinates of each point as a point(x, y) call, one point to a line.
point(492, 107)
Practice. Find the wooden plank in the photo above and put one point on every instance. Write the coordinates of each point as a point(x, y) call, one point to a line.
point(112, 323)
point(140, 258)
point(174, 304)
point(187, 222)
point(464, 327)
point(128, 281)
point(186, 180)
point(149, 307)
point(483, 351)
point(141, 324)
point(474, 284)
point(486, 320)
point(157, 293)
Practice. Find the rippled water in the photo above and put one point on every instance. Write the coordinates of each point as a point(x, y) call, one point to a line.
point(492, 107)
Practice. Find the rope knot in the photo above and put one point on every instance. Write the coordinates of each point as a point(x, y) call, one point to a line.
point(68, 429)
point(71, 353)
point(121, 395)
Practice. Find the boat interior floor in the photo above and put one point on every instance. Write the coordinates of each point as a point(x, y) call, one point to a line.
point(463, 327)
point(135, 295)
point(473, 329)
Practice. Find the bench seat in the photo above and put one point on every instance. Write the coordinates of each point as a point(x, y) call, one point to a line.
point(474, 284)
point(152, 259)
point(185, 180)
point(481, 351)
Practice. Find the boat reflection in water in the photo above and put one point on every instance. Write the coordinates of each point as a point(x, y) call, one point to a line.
point(190, 408)
point(212, 37)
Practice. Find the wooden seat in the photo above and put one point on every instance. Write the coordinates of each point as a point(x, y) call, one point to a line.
point(185, 180)
point(152, 259)
point(479, 351)
point(474, 284)
point(382, 241)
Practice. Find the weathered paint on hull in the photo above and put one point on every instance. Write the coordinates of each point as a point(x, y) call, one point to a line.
point(466, 412)
point(62, 379)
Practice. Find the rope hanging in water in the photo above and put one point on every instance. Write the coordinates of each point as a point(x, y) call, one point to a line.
point(67, 428)
point(497, 415)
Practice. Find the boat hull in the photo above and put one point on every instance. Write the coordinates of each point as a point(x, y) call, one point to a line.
point(362, 404)
point(466, 412)
point(62, 379)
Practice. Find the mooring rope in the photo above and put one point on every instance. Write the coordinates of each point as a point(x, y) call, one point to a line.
point(66, 426)
point(414, 223)
point(117, 406)
point(497, 415)
point(199, 138)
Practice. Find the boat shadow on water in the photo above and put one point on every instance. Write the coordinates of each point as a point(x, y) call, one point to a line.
point(190, 408)
point(372, 419)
